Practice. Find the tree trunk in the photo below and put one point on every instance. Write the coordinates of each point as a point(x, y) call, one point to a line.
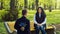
point(13, 12)
point(33, 6)
point(29, 7)
point(50, 8)
point(36, 4)
point(1, 5)
point(55, 5)
point(44, 6)
point(25, 4)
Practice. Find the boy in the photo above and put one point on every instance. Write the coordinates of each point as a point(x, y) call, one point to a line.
point(22, 24)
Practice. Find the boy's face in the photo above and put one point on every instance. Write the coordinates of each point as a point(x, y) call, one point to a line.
point(26, 14)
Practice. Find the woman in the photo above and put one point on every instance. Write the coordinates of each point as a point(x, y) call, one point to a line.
point(40, 21)
point(22, 24)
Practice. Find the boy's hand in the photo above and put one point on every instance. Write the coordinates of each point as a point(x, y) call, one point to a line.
point(22, 28)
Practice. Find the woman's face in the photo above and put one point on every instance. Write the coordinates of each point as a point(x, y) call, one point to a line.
point(39, 10)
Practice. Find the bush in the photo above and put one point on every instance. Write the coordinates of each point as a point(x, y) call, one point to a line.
point(2, 13)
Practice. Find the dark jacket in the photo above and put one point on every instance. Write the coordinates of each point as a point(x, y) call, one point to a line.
point(40, 19)
point(27, 28)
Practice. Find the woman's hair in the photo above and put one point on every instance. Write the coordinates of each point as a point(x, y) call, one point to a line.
point(42, 11)
point(24, 12)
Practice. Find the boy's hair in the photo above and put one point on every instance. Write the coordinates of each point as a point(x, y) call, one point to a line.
point(24, 12)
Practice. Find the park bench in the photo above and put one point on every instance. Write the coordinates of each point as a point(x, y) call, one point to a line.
point(10, 28)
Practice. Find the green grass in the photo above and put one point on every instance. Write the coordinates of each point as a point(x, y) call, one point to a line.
point(53, 17)
point(2, 28)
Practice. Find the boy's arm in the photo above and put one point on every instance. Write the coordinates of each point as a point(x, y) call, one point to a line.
point(28, 27)
point(16, 26)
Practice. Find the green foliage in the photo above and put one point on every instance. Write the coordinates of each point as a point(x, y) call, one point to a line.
point(47, 2)
point(6, 4)
point(2, 13)
point(30, 2)
point(20, 3)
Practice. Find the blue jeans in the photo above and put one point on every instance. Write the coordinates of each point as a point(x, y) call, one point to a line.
point(40, 28)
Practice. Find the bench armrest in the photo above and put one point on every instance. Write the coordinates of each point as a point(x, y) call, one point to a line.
point(7, 27)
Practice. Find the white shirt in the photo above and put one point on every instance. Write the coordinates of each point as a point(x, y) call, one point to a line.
point(39, 15)
point(44, 22)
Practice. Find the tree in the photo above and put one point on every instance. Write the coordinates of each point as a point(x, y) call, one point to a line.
point(36, 4)
point(31, 4)
point(20, 4)
point(55, 4)
point(1, 4)
point(51, 5)
point(25, 4)
point(13, 12)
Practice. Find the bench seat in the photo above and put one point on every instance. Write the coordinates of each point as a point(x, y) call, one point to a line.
point(10, 27)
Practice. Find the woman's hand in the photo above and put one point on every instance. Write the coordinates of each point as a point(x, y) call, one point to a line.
point(39, 24)
point(22, 28)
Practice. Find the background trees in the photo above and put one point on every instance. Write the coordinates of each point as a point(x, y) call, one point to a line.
point(30, 3)
point(12, 12)
point(13, 6)
point(1, 4)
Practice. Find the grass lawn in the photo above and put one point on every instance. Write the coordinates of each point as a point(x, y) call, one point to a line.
point(2, 28)
point(52, 18)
